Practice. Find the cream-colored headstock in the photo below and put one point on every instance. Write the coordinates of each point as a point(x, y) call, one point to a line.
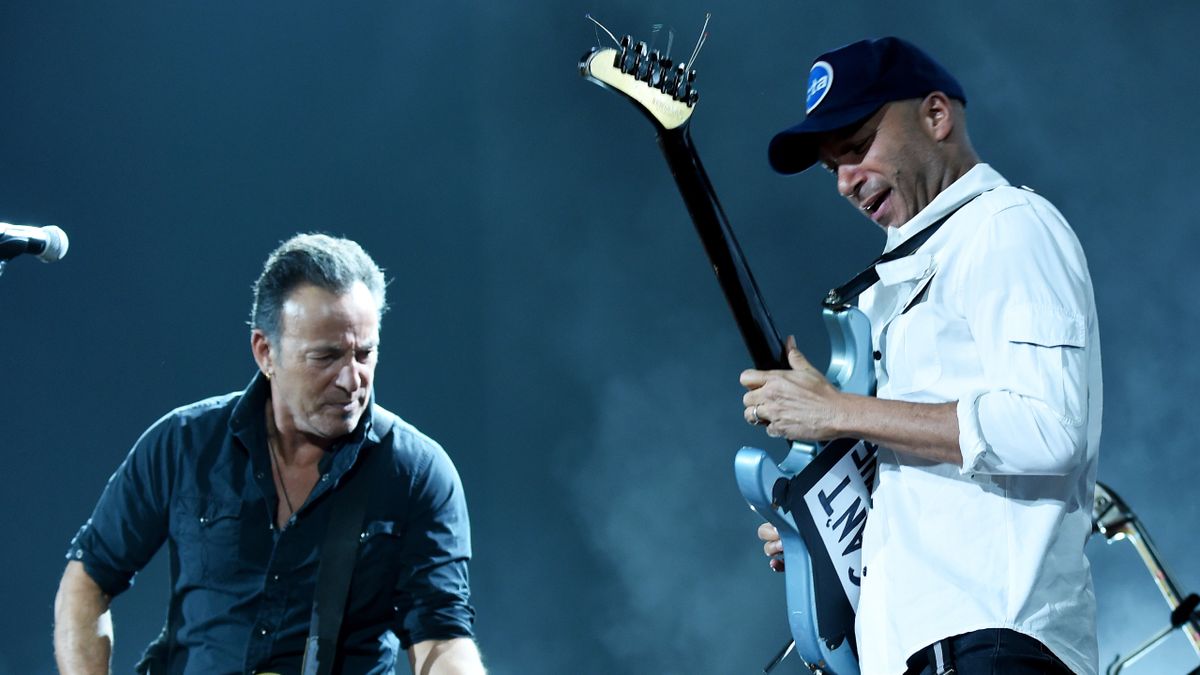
point(666, 95)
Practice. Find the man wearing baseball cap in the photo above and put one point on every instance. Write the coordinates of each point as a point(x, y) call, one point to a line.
point(987, 355)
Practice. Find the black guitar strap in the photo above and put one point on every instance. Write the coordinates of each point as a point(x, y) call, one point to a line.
point(339, 551)
point(849, 291)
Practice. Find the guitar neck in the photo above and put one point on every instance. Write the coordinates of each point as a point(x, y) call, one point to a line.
point(737, 283)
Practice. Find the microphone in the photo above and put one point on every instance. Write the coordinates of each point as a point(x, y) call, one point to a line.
point(47, 243)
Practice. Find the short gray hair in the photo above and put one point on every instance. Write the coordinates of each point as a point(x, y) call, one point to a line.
point(333, 264)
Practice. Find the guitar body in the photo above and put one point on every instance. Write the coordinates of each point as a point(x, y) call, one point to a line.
point(818, 496)
point(837, 477)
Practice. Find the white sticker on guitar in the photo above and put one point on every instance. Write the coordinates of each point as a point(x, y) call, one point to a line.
point(839, 503)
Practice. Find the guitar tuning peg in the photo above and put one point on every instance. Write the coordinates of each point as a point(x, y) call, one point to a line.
point(677, 83)
point(652, 69)
point(639, 60)
point(621, 60)
point(688, 91)
point(664, 79)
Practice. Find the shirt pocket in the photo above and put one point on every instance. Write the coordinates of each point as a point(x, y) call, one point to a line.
point(911, 359)
point(208, 533)
point(377, 568)
point(1046, 357)
point(1044, 326)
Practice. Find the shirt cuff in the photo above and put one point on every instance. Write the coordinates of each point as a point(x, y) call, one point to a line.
point(111, 582)
point(970, 432)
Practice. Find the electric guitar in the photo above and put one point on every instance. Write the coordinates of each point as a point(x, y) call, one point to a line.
point(818, 496)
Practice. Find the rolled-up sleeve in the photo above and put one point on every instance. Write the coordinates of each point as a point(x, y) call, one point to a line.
point(1030, 311)
point(129, 523)
point(433, 594)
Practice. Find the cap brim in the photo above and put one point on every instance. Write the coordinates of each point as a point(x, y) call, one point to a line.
point(795, 149)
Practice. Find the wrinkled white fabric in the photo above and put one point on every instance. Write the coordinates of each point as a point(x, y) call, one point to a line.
point(995, 312)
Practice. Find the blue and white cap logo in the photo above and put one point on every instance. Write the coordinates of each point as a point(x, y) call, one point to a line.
point(820, 79)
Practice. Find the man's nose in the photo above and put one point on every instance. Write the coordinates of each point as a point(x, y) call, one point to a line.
point(849, 180)
point(351, 377)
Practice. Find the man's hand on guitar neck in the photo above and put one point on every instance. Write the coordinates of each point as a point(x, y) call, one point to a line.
point(801, 405)
point(795, 404)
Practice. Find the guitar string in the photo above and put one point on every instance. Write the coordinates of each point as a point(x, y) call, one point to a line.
point(700, 42)
point(589, 17)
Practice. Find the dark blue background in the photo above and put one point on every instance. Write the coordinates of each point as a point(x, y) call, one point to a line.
point(556, 325)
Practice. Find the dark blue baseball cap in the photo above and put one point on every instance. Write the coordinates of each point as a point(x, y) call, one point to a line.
point(850, 83)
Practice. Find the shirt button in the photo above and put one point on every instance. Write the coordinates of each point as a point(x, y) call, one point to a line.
point(878, 355)
point(260, 475)
point(325, 478)
point(203, 520)
point(274, 577)
point(262, 632)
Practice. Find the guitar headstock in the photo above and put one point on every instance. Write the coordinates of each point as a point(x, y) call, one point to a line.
point(664, 91)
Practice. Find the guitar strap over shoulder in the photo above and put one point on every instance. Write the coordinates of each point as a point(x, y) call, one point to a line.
point(849, 291)
point(339, 551)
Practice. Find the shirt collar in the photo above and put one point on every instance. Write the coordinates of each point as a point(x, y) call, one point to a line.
point(248, 421)
point(979, 179)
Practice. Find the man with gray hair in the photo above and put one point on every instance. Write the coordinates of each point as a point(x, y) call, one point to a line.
point(363, 511)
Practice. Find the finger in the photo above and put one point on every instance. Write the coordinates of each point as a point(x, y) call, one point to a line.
point(773, 429)
point(777, 564)
point(767, 532)
point(773, 548)
point(791, 343)
point(795, 359)
point(753, 379)
point(756, 415)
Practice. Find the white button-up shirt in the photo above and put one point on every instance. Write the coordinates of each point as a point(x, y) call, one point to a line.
point(995, 312)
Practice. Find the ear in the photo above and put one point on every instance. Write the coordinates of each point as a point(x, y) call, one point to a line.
point(938, 116)
point(260, 347)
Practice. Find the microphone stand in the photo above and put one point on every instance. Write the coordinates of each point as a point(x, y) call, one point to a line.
point(1112, 518)
point(1180, 616)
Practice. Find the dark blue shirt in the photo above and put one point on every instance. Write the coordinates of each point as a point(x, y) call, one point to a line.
point(241, 589)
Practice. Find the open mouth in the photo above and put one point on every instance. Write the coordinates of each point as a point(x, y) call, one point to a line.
point(872, 205)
